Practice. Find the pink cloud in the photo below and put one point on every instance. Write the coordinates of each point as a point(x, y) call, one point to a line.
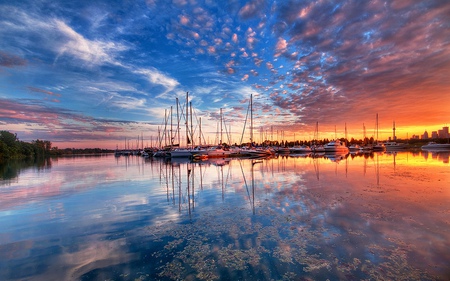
point(184, 20)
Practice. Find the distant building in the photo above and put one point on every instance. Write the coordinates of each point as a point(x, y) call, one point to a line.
point(425, 135)
point(443, 134)
point(434, 135)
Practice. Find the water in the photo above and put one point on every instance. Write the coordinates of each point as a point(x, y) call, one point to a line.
point(373, 217)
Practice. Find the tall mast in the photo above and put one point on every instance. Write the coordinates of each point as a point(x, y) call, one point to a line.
point(200, 132)
point(221, 130)
point(178, 123)
point(345, 132)
point(377, 127)
point(251, 119)
point(165, 127)
point(192, 129)
point(171, 127)
point(187, 114)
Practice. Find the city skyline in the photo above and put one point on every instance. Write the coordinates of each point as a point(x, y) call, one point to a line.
point(94, 73)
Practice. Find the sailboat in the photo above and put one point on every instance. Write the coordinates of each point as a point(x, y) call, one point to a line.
point(219, 150)
point(254, 151)
point(184, 152)
point(317, 148)
point(378, 146)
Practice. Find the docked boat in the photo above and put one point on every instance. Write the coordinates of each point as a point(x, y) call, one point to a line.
point(179, 152)
point(354, 148)
point(198, 150)
point(378, 147)
point(395, 146)
point(300, 149)
point(366, 148)
point(335, 146)
point(257, 151)
point(317, 148)
point(436, 146)
point(282, 150)
point(218, 151)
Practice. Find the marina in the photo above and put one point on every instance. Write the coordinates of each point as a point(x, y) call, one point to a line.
point(283, 217)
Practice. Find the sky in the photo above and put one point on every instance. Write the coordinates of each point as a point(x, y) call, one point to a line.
point(106, 73)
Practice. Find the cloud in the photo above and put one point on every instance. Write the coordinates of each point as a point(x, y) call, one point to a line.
point(355, 57)
point(37, 90)
point(58, 124)
point(251, 9)
point(8, 60)
point(280, 47)
point(90, 51)
point(156, 77)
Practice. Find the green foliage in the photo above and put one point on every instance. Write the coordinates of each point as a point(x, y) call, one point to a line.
point(12, 148)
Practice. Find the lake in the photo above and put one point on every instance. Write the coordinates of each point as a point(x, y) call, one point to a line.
point(379, 216)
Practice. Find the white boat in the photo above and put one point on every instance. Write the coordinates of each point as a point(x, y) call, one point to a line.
point(365, 148)
point(395, 146)
point(354, 147)
point(198, 150)
point(317, 148)
point(378, 147)
point(436, 146)
point(336, 146)
point(300, 149)
point(218, 151)
point(179, 152)
point(257, 151)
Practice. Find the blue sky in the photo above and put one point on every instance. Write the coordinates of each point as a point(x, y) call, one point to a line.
point(92, 73)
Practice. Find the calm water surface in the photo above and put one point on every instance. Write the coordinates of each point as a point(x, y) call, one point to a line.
point(372, 217)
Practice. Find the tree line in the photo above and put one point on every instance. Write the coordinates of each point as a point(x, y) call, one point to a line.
point(13, 148)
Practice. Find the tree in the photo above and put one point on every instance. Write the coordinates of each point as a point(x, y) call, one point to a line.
point(8, 138)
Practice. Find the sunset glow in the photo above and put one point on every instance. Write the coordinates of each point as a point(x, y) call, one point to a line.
point(106, 73)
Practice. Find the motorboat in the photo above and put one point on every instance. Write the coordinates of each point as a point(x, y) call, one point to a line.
point(179, 152)
point(378, 147)
point(257, 151)
point(354, 148)
point(317, 148)
point(336, 146)
point(300, 149)
point(395, 146)
point(436, 146)
point(218, 151)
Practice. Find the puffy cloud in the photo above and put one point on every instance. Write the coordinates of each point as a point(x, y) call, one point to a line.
point(280, 47)
point(234, 38)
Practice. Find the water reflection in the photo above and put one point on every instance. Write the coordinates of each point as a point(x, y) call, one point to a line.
point(338, 217)
point(10, 170)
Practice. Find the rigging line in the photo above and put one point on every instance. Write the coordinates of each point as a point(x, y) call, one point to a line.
point(245, 123)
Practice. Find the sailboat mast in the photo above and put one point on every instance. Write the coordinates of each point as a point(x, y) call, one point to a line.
point(192, 129)
point(200, 131)
point(178, 122)
point(171, 127)
point(221, 130)
point(187, 114)
point(165, 127)
point(377, 127)
point(251, 119)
